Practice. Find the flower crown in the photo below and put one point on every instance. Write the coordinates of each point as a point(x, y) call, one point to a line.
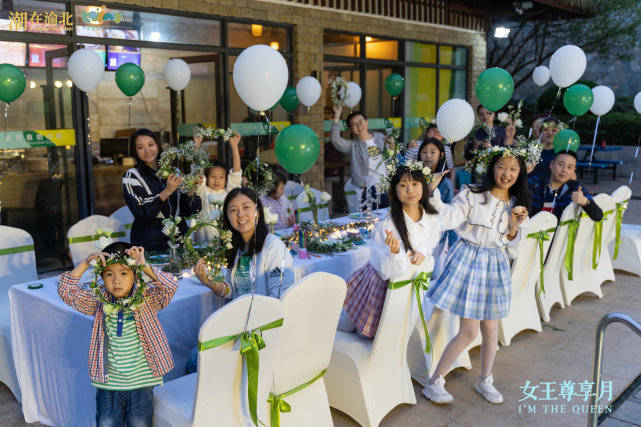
point(394, 164)
point(559, 125)
point(529, 151)
point(214, 133)
point(513, 115)
point(108, 305)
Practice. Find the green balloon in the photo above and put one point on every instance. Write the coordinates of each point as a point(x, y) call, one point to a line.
point(494, 88)
point(289, 100)
point(578, 99)
point(394, 83)
point(12, 82)
point(297, 148)
point(130, 78)
point(566, 140)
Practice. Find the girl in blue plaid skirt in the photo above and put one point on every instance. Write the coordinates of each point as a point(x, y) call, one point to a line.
point(475, 281)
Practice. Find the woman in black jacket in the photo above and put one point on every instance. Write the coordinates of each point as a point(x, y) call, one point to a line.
point(151, 199)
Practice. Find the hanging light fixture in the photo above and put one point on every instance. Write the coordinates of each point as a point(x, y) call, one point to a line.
point(257, 30)
point(275, 45)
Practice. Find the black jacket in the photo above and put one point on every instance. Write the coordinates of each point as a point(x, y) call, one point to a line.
point(141, 187)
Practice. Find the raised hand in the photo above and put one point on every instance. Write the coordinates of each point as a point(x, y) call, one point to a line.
point(392, 242)
point(518, 216)
point(438, 177)
point(138, 254)
point(198, 140)
point(173, 182)
point(578, 197)
point(234, 140)
point(102, 255)
point(337, 112)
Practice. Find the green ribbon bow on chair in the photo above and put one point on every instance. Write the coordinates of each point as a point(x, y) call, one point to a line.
point(82, 239)
point(541, 236)
point(420, 283)
point(250, 344)
point(598, 237)
point(621, 207)
point(279, 405)
point(573, 226)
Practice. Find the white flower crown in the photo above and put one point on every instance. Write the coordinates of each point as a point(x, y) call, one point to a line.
point(393, 165)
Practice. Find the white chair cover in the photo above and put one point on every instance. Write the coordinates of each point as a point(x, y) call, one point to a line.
point(554, 263)
point(84, 230)
point(292, 190)
point(352, 196)
point(125, 217)
point(312, 307)
point(629, 255)
point(585, 279)
point(305, 213)
point(17, 265)
point(217, 393)
point(523, 312)
point(367, 379)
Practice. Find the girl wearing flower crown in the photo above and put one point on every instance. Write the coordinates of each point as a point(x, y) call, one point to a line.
point(402, 243)
point(475, 281)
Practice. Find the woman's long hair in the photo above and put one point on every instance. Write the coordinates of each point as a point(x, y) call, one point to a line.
point(441, 150)
point(132, 143)
point(396, 207)
point(520, 190)
point(260, 232)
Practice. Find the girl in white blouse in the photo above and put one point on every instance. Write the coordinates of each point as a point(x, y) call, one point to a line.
point(475, 282)
point(401, 247)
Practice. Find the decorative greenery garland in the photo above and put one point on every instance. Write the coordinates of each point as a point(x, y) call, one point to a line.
point(338, 90)
point(134, 302)
point(260, 178)
point(187, 156)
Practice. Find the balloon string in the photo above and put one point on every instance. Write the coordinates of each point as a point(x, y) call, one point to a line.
point(129, 112)
point(573, 121)
point(636, 155)
point(596, 129)
point(556, 98)
point(4, 150)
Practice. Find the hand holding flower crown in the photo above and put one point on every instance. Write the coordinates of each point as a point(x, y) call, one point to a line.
point(138, 255)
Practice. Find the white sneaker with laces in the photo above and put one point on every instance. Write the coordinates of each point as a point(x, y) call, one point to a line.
point(485, 388)
point(436, 391)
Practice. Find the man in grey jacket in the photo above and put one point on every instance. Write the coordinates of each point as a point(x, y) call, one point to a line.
point(367, 166)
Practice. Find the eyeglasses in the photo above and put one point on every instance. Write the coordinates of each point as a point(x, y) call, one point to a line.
point(356, 123)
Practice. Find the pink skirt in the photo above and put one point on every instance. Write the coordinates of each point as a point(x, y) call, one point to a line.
point(365, 297)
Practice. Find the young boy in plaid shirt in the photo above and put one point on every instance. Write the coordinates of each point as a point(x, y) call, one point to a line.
point(128, 353)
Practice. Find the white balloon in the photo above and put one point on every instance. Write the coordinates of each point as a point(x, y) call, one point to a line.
point(85, 68)
point(308, 90)
point(260, 76)
point(637, 102)
point(567, 65)
point(353, 94)
point(177, 74)
point(541, 75)
point(455, 119)
point(603, 100)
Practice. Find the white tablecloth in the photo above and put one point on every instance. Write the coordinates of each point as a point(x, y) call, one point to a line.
point(50, 340)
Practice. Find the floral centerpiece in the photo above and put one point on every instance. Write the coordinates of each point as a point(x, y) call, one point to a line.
point(171, 230)
point(185, 161)
point(307, 196)
point(110, 304)
point(104, 238)
point(271, 218)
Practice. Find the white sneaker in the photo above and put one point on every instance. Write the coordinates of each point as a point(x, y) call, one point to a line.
point(436, 391)
point(486, 389)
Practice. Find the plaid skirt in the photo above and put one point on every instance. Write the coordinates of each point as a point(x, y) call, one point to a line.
point(365, 297)
point(474, 283)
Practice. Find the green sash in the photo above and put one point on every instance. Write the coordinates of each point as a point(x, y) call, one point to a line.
point(16, 250)
point(250, 344)
point(350, 193)
point(278, 403)
point(309, 209)
point(82, 239)
point(419, 283)
point(541, 236)
point(598, 237)
point(621, 207)
point(573, 225)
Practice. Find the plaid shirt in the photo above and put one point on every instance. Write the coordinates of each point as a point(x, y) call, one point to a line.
point(150, 332)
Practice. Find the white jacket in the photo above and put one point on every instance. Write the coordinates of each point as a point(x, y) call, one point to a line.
point(274, 271)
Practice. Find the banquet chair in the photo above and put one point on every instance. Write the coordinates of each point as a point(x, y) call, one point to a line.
point(585, 278)
point(554, 264)
point(525, 273)
point(304, 210)
point(628, 255)
point(124, 217)
point(368, 378)
point(352, 196)
point(17, 265)
point(81, 236)
point(442, 326)
point(312, 307)
point(217, 393)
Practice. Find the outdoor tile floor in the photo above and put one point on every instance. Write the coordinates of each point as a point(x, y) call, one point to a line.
point(563, 351)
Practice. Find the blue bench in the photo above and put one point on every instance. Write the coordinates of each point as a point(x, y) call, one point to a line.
point(596, 166)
